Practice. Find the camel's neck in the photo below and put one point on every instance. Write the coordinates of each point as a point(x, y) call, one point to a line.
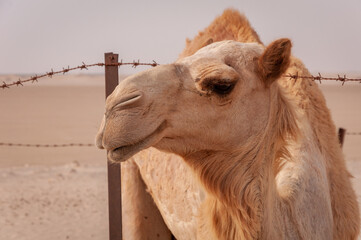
point(239, 190)
point(242, 183)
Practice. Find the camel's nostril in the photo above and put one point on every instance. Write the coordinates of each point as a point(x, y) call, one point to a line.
point(128, 100)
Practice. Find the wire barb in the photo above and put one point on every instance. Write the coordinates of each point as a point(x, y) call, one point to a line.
point(135, 64)
point(154, 64)
point(65, 70)
point(84, 66)
point(4, 85)
point(34, 79)
point(50, 74)
point(18, 83)
point(319, 77)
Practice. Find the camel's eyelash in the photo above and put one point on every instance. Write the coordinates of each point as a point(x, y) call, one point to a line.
point(223, 88)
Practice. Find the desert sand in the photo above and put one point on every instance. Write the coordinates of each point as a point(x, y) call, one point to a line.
point(61, 193)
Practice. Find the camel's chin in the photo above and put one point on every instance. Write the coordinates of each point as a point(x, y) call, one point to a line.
point(123, 153)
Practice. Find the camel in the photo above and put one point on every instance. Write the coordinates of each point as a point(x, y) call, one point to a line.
point(227, 146)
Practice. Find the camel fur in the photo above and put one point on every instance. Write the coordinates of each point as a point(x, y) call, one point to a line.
point(255, 155)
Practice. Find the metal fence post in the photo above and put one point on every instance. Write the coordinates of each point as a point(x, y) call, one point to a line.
point(341, 135)
point(114, 173)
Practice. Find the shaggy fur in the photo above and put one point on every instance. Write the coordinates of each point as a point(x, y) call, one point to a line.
point(248, 175)
point(229, 26)
point(310, 101)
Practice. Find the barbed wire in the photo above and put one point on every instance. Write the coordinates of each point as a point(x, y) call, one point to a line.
point(134, 64)
point(50, 74)
point(47, 145)
point(8, 144)
point(353, 133)
point(321, 78)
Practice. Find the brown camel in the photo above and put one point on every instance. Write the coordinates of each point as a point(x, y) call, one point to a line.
point(257, 155)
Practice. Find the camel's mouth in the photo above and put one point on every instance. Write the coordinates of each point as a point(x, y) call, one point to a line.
point(122, 153)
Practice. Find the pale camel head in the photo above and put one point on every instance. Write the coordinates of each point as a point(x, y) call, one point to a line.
point(213, 100)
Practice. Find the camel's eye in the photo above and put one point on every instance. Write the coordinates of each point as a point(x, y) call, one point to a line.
point(218, 80)
point(223, 88)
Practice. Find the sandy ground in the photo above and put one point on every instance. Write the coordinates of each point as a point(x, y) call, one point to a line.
point(61, 193)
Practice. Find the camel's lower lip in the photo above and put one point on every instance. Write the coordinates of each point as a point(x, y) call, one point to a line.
point(122, 153)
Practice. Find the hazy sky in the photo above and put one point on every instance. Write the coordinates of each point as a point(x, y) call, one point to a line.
point(37, 35)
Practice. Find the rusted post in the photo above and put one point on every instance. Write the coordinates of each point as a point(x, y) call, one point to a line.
point(341, 135)
point(114, 173)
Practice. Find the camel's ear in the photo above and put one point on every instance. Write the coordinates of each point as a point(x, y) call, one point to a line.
point(275, 60)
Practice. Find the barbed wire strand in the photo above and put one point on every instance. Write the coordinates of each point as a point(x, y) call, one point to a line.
point(320, 78)
point(353, 133)
point(8, 144)
point(47, 145)
point(135, 64)
point(50, 74)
